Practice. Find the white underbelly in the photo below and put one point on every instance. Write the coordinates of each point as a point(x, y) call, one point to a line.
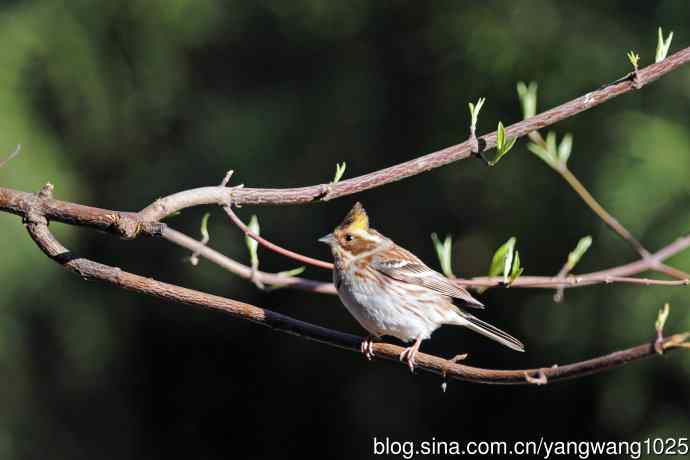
point(380, 314)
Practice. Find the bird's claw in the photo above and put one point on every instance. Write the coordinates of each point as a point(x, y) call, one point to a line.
point(407, 356)
point(367, 348)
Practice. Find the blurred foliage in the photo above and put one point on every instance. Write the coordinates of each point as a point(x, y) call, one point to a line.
point(117, 103)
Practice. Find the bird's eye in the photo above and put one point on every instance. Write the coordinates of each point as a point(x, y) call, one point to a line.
point(348, 237)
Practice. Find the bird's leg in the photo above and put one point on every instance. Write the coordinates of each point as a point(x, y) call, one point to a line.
point(409, 353)
point(367, 347)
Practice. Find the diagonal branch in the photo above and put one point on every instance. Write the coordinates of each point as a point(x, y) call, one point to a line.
point(37, 226)
point(615, 225)
point(262, 196)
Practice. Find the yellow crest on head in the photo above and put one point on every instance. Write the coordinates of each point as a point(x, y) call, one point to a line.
point(356, 219)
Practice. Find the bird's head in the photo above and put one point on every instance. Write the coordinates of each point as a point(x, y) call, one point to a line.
point(353, 235)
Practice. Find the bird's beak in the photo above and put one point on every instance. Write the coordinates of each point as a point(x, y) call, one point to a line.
point(328, 239)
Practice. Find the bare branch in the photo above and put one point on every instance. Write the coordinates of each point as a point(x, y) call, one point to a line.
point(37, 225)
point(324, 192)
point(609, 276)
point(130, 225)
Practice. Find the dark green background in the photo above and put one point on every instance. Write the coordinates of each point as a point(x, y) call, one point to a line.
point(118, 103)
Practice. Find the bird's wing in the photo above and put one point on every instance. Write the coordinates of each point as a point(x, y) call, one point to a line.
point(400, 264)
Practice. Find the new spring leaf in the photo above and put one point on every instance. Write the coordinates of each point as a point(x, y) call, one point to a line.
point(577, 253)
point(474, 112)
point(293, 272)
point(662, 46)
point(444, 252)
point(506, 262)
point(339, 171)
point(528, 98)
point(253, 245)
point(503, 144)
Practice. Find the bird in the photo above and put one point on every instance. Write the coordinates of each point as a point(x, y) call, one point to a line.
point(391, 292)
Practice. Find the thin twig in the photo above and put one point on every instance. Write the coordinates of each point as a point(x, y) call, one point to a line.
point(87, 269)
point(272, 246)
point(11, 155)
point(205, 238)
point(242, 270)
point(599, 210)
point(615, 225)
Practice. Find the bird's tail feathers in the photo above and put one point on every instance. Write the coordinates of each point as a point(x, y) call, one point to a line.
point(492, 332)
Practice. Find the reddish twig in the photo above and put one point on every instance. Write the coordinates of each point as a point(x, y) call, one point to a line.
point(272, 246)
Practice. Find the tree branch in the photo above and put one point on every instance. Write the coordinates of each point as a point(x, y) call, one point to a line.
point(37, 226)
point(130, 225)
point(608, 276)
point(323, 192)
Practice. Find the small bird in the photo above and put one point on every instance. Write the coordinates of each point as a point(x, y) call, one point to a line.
point(391, 292)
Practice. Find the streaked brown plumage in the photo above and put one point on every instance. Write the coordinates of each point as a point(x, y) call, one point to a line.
point(390, 291)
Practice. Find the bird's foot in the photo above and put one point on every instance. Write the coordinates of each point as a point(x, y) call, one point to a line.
point(408, 354)
point(367, 348)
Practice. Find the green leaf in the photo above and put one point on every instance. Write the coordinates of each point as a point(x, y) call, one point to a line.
point(503, 146)
point(474, 111)
point(292, 272)
point(339, 171)
point(528, 98)
point(634, 59)
point(662, 46)
point(565, 148)
point(516, 270)
point(661, 318)
point(577, 253)
point(204, 227)
point(551, 145)
point(252, 244)
point(444, 252)
point(553, 154)
point(502, 261)
point(500, 136)
point(540, 151)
